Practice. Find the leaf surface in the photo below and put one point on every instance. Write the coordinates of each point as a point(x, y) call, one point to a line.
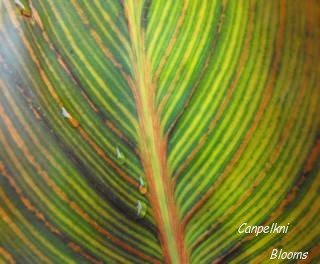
point(148, 131)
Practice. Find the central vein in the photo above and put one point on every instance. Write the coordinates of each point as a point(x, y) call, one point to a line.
point(152, 142)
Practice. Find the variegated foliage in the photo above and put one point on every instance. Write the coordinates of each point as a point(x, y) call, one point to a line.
point(147, 131)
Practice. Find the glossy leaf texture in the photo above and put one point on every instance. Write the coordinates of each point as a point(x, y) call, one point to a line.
point(147, 131)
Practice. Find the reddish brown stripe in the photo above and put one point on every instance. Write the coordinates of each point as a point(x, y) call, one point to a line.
point(27, 203)
point(227, 98)
point(73, 122)
point(257, 118)
point(6, 254)
point(21, 145)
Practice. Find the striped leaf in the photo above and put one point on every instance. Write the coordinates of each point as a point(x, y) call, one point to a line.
point(148, 131)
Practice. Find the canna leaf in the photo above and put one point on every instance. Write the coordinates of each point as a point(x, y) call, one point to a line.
point(141, 131)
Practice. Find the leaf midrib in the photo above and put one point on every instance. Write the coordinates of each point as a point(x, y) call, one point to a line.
point(152, 142)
